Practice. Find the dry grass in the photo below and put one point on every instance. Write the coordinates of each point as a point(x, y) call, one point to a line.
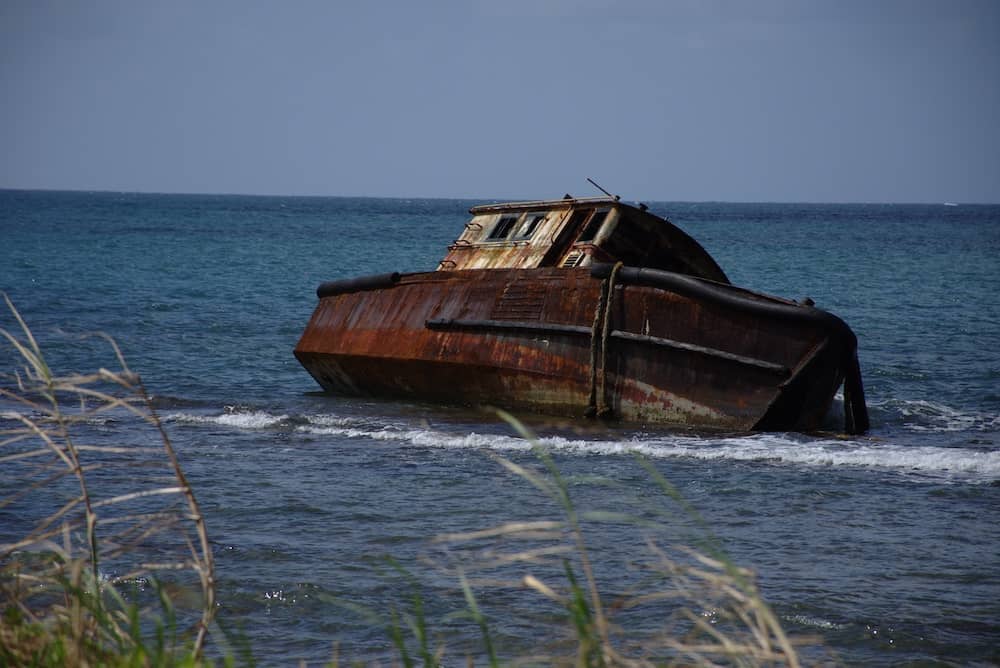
point(111, 550)
point(706, 611)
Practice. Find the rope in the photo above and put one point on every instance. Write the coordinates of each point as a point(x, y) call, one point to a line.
point(603, 410)
point(594, 341)
point(599, 334)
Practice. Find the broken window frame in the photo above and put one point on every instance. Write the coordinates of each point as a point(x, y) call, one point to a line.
point(502, 229)
point(593, 226)
point(532, 220)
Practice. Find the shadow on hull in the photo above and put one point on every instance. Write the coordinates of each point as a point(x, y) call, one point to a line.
point(630, 343)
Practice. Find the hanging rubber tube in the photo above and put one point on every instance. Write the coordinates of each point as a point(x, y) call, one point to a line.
point(855, 408)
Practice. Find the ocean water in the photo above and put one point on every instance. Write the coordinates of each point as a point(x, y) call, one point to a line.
point(885, 547)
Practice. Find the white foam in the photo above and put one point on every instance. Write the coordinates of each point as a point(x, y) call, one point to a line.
point(777, 449)
point(921, 415)
point(815, 622)
point(248, 420)
point(423, 437)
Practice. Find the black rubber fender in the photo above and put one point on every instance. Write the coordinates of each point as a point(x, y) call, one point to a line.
point(360, 284)
point(729, 296)
point(855, 410)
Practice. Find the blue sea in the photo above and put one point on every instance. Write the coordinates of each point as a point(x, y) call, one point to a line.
point(884, 548)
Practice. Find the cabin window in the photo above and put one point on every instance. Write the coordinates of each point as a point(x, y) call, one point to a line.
point(577, 219)
point(593, 225)
point(531, 222)
point(502, 229)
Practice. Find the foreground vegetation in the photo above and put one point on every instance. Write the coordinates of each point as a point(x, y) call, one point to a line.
point(114, 566)
point(102, 523)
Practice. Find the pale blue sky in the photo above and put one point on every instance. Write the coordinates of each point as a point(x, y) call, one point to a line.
point(770, 100)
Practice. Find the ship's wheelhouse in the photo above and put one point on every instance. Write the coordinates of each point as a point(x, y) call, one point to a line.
point(575, 233)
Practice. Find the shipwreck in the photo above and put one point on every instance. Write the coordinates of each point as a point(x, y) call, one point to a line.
point(585, 307)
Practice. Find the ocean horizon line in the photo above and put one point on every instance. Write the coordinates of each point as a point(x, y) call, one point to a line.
point(488, 199)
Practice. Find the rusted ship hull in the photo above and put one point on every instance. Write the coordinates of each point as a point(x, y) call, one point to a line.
point(637, 344)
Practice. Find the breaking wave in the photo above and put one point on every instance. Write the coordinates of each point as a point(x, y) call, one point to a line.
point(934, 417)
point(771, 448)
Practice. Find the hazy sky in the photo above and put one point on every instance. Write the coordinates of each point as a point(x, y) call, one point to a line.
point(763, 100)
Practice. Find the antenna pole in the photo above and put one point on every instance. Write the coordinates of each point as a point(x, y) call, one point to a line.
point(594, 183)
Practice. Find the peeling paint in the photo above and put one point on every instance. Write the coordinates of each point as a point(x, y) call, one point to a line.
point(514, 317)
